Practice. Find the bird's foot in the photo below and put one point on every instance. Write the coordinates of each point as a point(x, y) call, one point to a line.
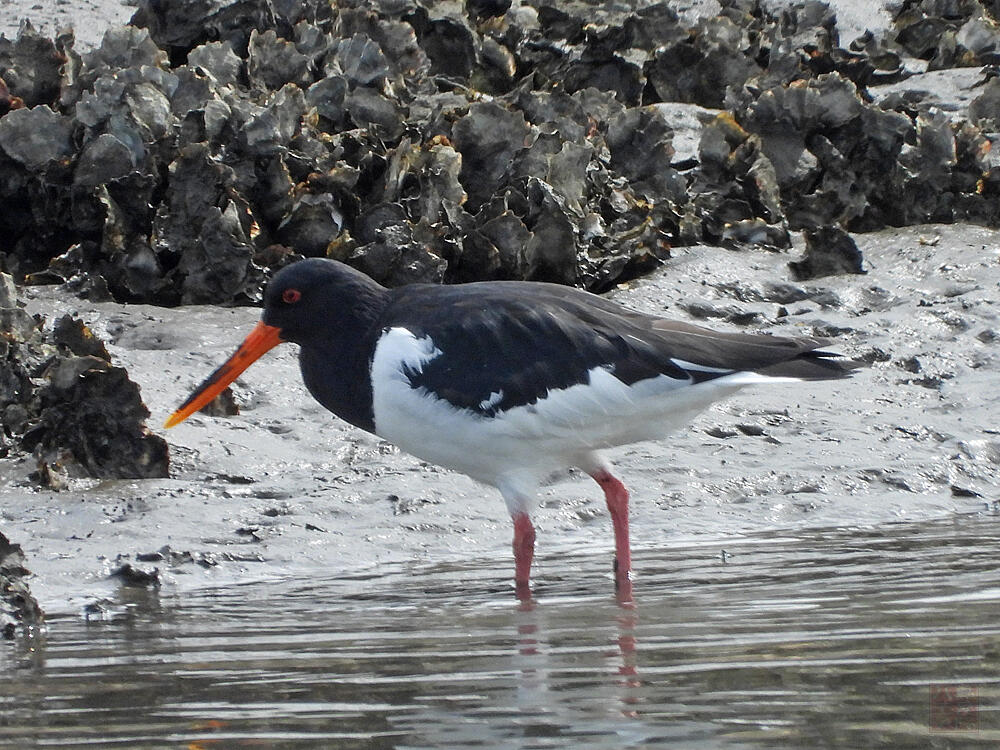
point(623, 583)
point(522, 590)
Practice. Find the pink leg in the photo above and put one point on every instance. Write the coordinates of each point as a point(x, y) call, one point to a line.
point(524, 551)
point(617, 499)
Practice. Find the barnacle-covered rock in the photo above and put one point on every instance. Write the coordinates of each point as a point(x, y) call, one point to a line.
point(133, 107)
point(423, 179)
point(327, 98)
point(570, 142)
point(640, 141)
point(273, 62)
point(92, 417)
point(125, 262)
point(488, 138)
point(699, 70)
point(36, 137)
point(830, 151)
point(984, 110)
point(203, 230)
point(494, 246)
point(359, 60)
point(218, 60)
point(30, 66)
point(446, 37)
point(572, 116)
point(104, 159)
point(123, 48)
point(269, 128)
point(61, 397)
point(313, 221)
point(195, 92)
point(947, 34)
point(927, 165)
point(270, 190)
point(371, 110)
point(21, 354)
point(980, 37)
point(600, 66)
point(390, 251)
point(550, 253)
point(562, 165)
point(18, 608)
point(181, 25)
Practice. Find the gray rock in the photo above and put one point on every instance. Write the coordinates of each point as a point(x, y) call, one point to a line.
point(360, 61)
point(36, 137)
point(218, 60)
point(312, 223)
point(102, 160)
point(30, 66)
point(488, 138)
point(829, 251)
point(274, 62)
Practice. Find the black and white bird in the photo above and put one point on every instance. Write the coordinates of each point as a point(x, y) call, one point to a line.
point(508, 382)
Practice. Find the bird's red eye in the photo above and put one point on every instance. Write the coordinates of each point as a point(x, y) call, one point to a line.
point(291, 296)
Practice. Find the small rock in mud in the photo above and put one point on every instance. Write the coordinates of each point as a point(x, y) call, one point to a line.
point(829, 251)
point(132, 576)
point(223, 405)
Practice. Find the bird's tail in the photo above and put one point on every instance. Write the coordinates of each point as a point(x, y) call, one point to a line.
point(815, 364)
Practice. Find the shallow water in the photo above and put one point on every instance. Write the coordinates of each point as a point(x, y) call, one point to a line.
point(881, 637)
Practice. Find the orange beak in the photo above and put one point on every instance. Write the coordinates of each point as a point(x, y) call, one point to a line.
point(262, 339)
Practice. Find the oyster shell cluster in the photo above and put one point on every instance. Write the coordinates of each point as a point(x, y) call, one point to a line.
point(210, 142)
point(63, 399)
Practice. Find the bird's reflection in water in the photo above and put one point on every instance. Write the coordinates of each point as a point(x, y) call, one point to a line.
point(527, 629)
point(540, 666)
point(627, 620)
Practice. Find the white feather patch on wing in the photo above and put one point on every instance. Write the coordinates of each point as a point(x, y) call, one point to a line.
point(685, 365)
point(747, 377)
point(398, 349)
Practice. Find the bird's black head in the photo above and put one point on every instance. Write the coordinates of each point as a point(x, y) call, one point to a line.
point(311, 299)
point(323, 306)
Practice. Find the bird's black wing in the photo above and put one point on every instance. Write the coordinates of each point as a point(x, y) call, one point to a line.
point(507, 344)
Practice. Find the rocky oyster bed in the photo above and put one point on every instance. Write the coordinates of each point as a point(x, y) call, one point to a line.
point(208, 143)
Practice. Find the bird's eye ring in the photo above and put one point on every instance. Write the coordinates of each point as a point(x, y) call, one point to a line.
point(291, 296)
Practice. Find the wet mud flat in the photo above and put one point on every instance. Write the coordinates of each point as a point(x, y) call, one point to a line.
point(283, 490)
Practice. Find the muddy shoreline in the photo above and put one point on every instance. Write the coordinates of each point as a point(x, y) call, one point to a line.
point(284, 490)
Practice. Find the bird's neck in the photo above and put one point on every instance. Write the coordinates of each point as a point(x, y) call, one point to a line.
point(337, 367)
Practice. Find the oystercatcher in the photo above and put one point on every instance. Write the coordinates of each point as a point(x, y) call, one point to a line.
point(508, 382)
